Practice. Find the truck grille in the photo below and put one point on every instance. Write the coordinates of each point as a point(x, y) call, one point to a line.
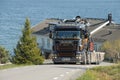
point(67, 48)
point(66, 54)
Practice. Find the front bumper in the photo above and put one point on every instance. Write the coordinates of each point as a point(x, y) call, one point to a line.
point(65, 60)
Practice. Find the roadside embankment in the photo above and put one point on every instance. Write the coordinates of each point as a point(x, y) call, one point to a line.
point(7, 66)
point(102, 73)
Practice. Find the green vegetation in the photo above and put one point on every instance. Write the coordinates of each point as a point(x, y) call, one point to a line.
point(112, 50)
point(7, 66)
point(4, 55)
point(102, 73)
point(27, 51)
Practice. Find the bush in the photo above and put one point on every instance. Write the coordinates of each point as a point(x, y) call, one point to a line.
point(112, 50)
point(4, 55)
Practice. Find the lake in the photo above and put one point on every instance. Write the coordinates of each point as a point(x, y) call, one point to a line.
point(14, 12)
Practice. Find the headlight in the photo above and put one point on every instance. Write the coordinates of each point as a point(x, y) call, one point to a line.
point(78, 56)
point(54, 56)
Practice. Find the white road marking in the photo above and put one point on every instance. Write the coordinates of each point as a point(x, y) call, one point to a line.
point(55, 78)
point(61, 75)
point(72, 70)
point(67, 72)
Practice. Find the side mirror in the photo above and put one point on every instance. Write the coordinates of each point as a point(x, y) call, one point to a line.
point(50, 35)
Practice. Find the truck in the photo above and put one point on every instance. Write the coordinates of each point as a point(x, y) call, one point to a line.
point(73, 43)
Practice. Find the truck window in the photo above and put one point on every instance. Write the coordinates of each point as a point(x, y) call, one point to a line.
point(68, 34)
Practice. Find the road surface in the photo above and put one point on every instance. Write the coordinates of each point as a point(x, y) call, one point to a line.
point(46, 72)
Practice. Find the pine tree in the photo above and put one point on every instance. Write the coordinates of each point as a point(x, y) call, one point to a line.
point(4, 55)
point(27, 51)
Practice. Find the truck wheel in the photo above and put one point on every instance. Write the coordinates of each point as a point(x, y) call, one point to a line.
point(83, 63)
point(56, 63)
point(73, 63)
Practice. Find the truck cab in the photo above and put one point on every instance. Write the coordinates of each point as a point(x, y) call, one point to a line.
point(68, 40)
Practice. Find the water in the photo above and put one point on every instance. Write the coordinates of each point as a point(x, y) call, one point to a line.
point(14, 12)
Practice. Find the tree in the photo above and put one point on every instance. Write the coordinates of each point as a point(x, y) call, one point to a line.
point(4, 55)
point(27, 51)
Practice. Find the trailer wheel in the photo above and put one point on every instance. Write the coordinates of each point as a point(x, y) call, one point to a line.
point(97, 63)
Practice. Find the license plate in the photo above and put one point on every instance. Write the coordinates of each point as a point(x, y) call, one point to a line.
point(65, 59)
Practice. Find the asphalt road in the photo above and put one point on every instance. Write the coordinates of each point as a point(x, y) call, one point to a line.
point(46, 72)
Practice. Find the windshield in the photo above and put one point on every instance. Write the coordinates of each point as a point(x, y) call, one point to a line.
point(68, 34)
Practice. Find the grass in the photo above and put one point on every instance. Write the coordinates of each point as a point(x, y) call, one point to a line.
point(7, 66)
point(102, 73)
